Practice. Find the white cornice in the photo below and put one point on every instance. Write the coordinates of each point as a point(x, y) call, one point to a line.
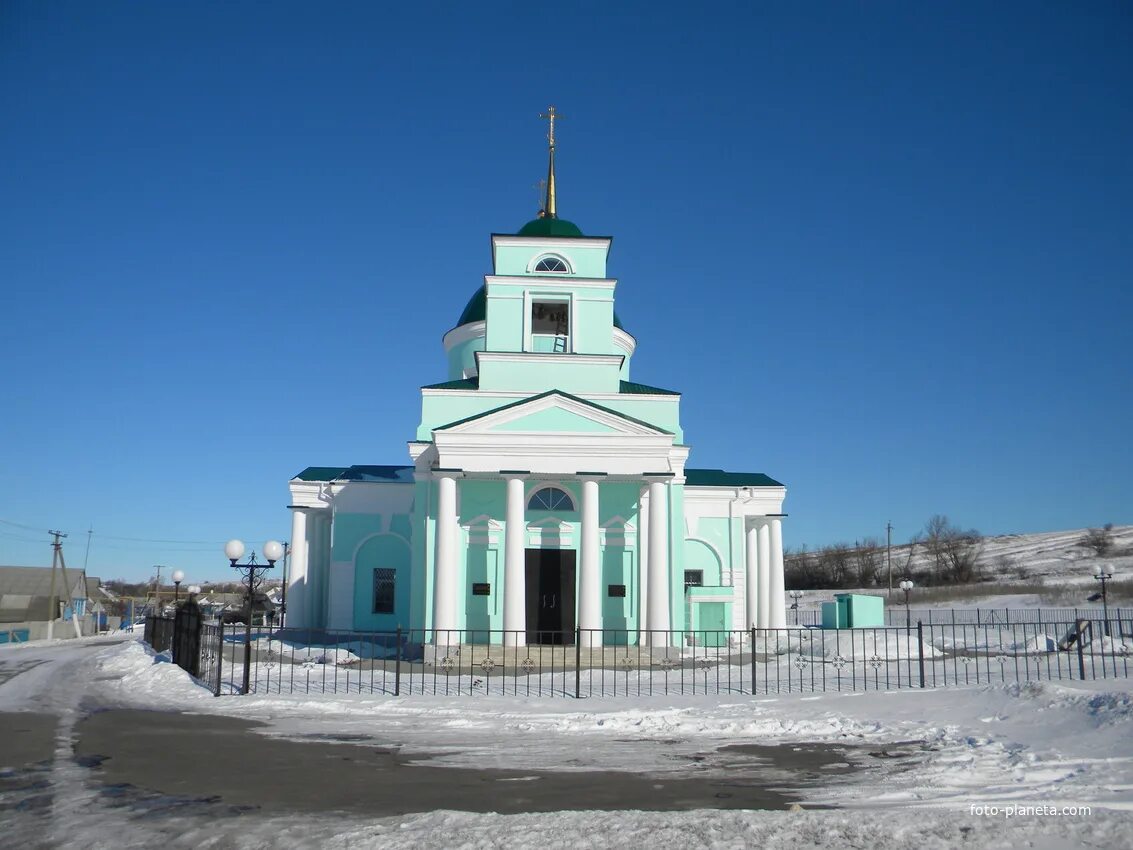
point(625, 341)
point(551, 282)
point(527, 394)
point(463, 333)
point(550, 357)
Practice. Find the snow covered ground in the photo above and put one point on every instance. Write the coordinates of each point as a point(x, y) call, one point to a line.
point(921, 761)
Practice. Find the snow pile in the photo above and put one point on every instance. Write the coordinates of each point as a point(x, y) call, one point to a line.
point(132, 674)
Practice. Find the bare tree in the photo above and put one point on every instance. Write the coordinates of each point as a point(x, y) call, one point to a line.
point(953, 553)
point(867, 558)
point(1100, 540)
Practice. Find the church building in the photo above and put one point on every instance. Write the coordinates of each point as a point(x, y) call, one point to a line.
point(546, 490)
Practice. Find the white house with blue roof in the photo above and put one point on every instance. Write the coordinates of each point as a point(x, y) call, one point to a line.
point(547, 492)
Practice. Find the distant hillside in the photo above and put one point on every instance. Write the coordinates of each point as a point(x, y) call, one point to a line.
point(1049, 556)
point(946, 556)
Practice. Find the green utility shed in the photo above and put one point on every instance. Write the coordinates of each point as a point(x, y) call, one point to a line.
point(853, 611)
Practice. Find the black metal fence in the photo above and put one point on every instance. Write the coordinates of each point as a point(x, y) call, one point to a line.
point(610, 663)
point(897, 615)
point(158, 633)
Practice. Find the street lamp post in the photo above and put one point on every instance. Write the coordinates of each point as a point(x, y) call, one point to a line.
point(234, 551)
point(907, 585)
point(1104, 574)
point(178, 577)
point(795, 595)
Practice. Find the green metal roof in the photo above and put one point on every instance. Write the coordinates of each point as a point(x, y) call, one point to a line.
point(476, 310)
point(458, 384)
point(357, 473)
point(720, 478)
point(631, 388)
point(549, 227)
point(624, 387)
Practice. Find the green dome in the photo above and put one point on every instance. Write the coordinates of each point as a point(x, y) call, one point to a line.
point(549, 227)
point(477, 309)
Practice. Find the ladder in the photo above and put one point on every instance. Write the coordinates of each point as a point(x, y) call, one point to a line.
point(561, 335)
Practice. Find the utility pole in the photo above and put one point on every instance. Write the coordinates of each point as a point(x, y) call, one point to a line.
point(86, 556)
point(888, 555)
point(53, 597)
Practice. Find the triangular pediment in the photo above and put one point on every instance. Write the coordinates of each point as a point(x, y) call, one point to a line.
point(553, 413)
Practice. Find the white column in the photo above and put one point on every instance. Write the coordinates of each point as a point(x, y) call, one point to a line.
point(764, 561)
point(778, 611)
point(515, 568)
point(444, 562)
point(590, 568)
point(297, 572)
point(658, 561)
point(643, 562)
point(751, 577)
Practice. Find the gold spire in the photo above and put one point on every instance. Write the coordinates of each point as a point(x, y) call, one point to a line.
point(549, 210)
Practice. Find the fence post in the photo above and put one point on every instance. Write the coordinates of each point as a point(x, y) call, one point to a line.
point(920, 649)
point(219, 656)
point(397, 667)
point(1079, 642)
point(577, 663)
point(753, 660)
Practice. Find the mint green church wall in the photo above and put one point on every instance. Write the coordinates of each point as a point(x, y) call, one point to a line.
point(713, 554)
point(388, 551)
point(442, 409)
point(584, 262)
point(594, 326)
point(505, 318)
point(358, 539)
point(563, 372)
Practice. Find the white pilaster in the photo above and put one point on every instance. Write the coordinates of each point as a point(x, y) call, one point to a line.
point(778, 610)
point(297, 572)
point(515, 569)
point(643, 562)
point(444, 563)
point(764, 561)
point(658, 561)
point(751, 577)
point(590, 573)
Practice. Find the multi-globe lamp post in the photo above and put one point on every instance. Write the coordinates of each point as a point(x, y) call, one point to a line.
point(907, 585)
point(795, 595)
point(234, 551)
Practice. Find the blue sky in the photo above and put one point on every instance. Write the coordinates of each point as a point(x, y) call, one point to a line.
point(883, 249)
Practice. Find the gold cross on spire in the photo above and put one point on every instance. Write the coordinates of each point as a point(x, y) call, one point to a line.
point(549, 203)
point(550, 115)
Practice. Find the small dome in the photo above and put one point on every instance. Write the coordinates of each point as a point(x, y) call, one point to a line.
point(476, 310)
point(549, 227)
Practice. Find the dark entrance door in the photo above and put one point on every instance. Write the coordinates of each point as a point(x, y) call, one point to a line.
point(550, 596)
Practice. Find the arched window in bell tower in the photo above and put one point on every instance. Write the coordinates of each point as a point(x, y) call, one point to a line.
point(552, 264)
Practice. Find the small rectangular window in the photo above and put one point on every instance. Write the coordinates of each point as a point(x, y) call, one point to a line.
point(617, 590)
point(550, 317)
point(694, 578)
point(481, 589)
point(383, 590)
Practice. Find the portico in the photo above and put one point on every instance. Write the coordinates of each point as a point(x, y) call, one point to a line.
point(547, 491)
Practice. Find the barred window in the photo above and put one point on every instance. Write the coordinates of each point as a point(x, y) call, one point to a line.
point(694, 578)
point(383, 590)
